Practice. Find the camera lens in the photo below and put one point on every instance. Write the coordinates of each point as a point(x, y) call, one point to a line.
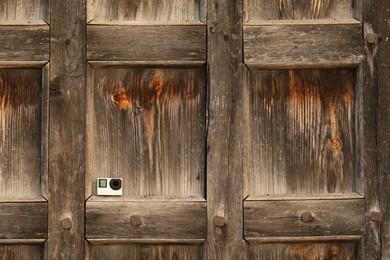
point(116, 184)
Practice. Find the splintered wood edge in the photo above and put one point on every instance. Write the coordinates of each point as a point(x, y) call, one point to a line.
point(145, 241)
point(269, 240)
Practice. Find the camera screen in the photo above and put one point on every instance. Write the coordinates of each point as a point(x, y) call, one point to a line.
point(102, 183)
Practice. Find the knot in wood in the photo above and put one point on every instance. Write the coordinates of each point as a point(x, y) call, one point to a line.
point(336, 144)
point(219, 221)
point(334, 250)
point(67, 223)
point(375, 216)
point(135, 221)
point(371, 38)
point(307, 217)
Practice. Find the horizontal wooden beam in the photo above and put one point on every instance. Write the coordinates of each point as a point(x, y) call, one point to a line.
point(24, 42)
point(124, 241)
point(146, 43)
point(23, 220)
point(305, 239)
point(302, 218)
point(299, 45)
point(162, 221)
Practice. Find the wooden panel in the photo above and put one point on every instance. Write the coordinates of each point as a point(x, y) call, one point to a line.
point(224, 132)
point(149, 129)
point(284, 218)
point(299, 9)
point(66, 152)
point(147, 43)
point(334, 250)
point(152, 252)
point(297, 45)
point(20, 139)
point(23, 220)
point(27, 43)
point(302, 132)
point(137, 10)
point(18, 252)
point(22, 10)
point(161, 220)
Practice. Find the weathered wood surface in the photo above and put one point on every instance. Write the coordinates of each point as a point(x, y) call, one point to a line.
point(302, 128)
point(20, 132)
point(66, 162)
point(298, 9)
point(224, 133)
point(137, 10)
point(375, 83)
point(153, 252)
point(147, 43)
point(303, 218)
point(383, 61)
point(297, 45)
point(25, 252)
point(146, 220)
point(24, 42)
point(302, 251)
point(23, 220)
point(148, 127)
point(23, 10)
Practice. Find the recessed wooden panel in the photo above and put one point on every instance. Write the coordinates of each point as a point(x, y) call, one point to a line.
point(146, 43)
point(299, 9)
point(155, 252)
point(302, 130)
point(302, 251)
point(301, 218)
point(19, 252)
point(23, 220)
point(20, 128)
point(166, 221)
point(148, 127)
point(303, 44)
point(22, 10)
point(137, 10)
point(24, 42)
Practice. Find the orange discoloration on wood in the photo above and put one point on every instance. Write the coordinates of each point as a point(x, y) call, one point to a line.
point(120, 98)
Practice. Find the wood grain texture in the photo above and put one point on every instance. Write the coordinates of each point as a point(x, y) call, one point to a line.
point(148, 127)
point(303, 251)
point(23, 10)
point(383, 62)
point(25, 252)
point(23, 221)
point(66, 162)
point(159, 220)
point(224, 135)
point(285, 218)
point(152, 252)
point(147, 43)
point(137, 10)
point(303, 45)
point(299, 9)
point(20, 138)
point(368, 79)
point(24, 43)
point(302, 132)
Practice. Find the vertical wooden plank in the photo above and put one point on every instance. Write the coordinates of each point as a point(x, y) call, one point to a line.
point(20, 138)
point(149, 129)
point(23, 10)
point(368, 87)
point(224, 140)
point(67, 131)
point(382, 28)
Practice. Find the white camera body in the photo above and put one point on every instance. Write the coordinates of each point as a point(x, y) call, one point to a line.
point(109, 186)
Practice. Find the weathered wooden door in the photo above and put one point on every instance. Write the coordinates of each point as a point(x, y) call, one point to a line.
point(242, 130)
